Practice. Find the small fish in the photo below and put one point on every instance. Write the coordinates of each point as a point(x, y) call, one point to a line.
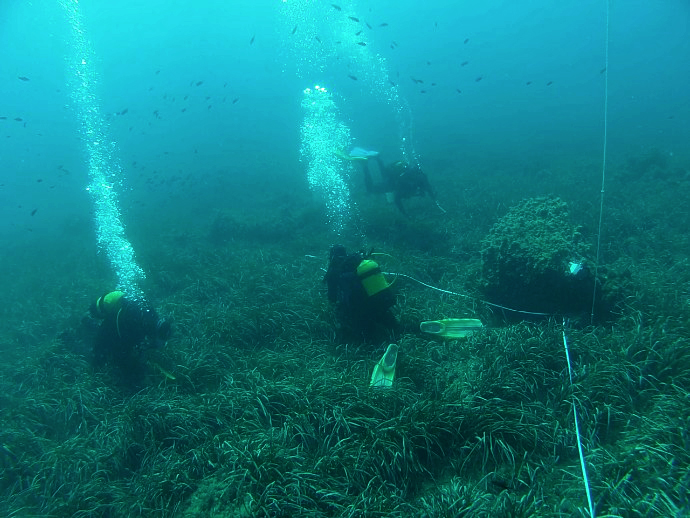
point(252, 40)
point(358, 32)
point(209, 107)
point(422, 91)
point(317, 39)
point(294, 30)
point(3, 118)
point(199, 83)
point(235, 100)
point(39, 180)
point(458, 90)
point(392, 83)
point(549, 83)
point(354, 19)
point(394, 43)
point(417, 81)
point(467, 40)
point(528, 83)
point(185, 98)
point(183, 110)
point(479, 78)
point(433, 84)
point(124, 112)
point(368, 25)
point(464, 63)
point(158, 72)
point(361, 44)
point(33, 212)
point(336, 7)
point(384, 24)
point(354, 78)
point(428, 63)
point(602, 70)
point(18, 119)
point(23, 78)
point(207, 97)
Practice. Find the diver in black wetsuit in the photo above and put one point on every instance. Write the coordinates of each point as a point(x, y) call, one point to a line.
point(361, 296)
point(400, 180)
point(128, 327)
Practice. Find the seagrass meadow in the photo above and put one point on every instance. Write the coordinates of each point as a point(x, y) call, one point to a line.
point(257, 408)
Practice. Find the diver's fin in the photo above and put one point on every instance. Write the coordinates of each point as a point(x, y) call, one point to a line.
point(451, 327)
point(356, 153)
point(384, 370)
point(361, 153)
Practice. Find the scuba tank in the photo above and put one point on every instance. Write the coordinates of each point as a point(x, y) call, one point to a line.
point(371, 277)
point(108, 304)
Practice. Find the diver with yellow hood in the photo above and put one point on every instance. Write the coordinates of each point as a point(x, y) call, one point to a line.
point(361, 295)
point(128, 327)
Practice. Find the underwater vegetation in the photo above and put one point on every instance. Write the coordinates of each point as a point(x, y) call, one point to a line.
point(255, 409)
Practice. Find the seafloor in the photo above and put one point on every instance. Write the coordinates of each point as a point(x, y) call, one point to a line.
point(256, 408)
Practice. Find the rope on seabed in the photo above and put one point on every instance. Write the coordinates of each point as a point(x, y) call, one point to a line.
point(469, 296)
point(583, 465)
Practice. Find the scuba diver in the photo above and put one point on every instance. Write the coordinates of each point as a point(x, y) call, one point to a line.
point(128, 327)
point(399, 180)
point(361, 295)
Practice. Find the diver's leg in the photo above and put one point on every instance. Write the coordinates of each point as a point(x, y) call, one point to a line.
point(368, 182)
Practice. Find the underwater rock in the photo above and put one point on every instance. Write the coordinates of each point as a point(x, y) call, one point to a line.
point(534, 259)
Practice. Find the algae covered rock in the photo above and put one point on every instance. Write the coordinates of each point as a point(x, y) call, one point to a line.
point(534, 259)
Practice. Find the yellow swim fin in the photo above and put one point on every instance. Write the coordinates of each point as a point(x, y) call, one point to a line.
point(356, 153)
point(346, 156)
point(451, 328)
point(384, 370)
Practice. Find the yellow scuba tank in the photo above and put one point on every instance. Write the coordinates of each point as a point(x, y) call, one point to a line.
point(108, 304)
point(371, 277)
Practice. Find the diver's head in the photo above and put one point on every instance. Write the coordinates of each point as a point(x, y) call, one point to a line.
point(337, 251)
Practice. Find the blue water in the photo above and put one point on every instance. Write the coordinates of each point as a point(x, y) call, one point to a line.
point(243, 120)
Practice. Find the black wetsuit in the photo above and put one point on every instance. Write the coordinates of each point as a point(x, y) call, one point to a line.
point(123, 332)
point(403, 181)
point(361, 316)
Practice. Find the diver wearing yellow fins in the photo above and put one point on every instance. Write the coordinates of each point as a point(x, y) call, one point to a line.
point(128, 327)
point(399, 180)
